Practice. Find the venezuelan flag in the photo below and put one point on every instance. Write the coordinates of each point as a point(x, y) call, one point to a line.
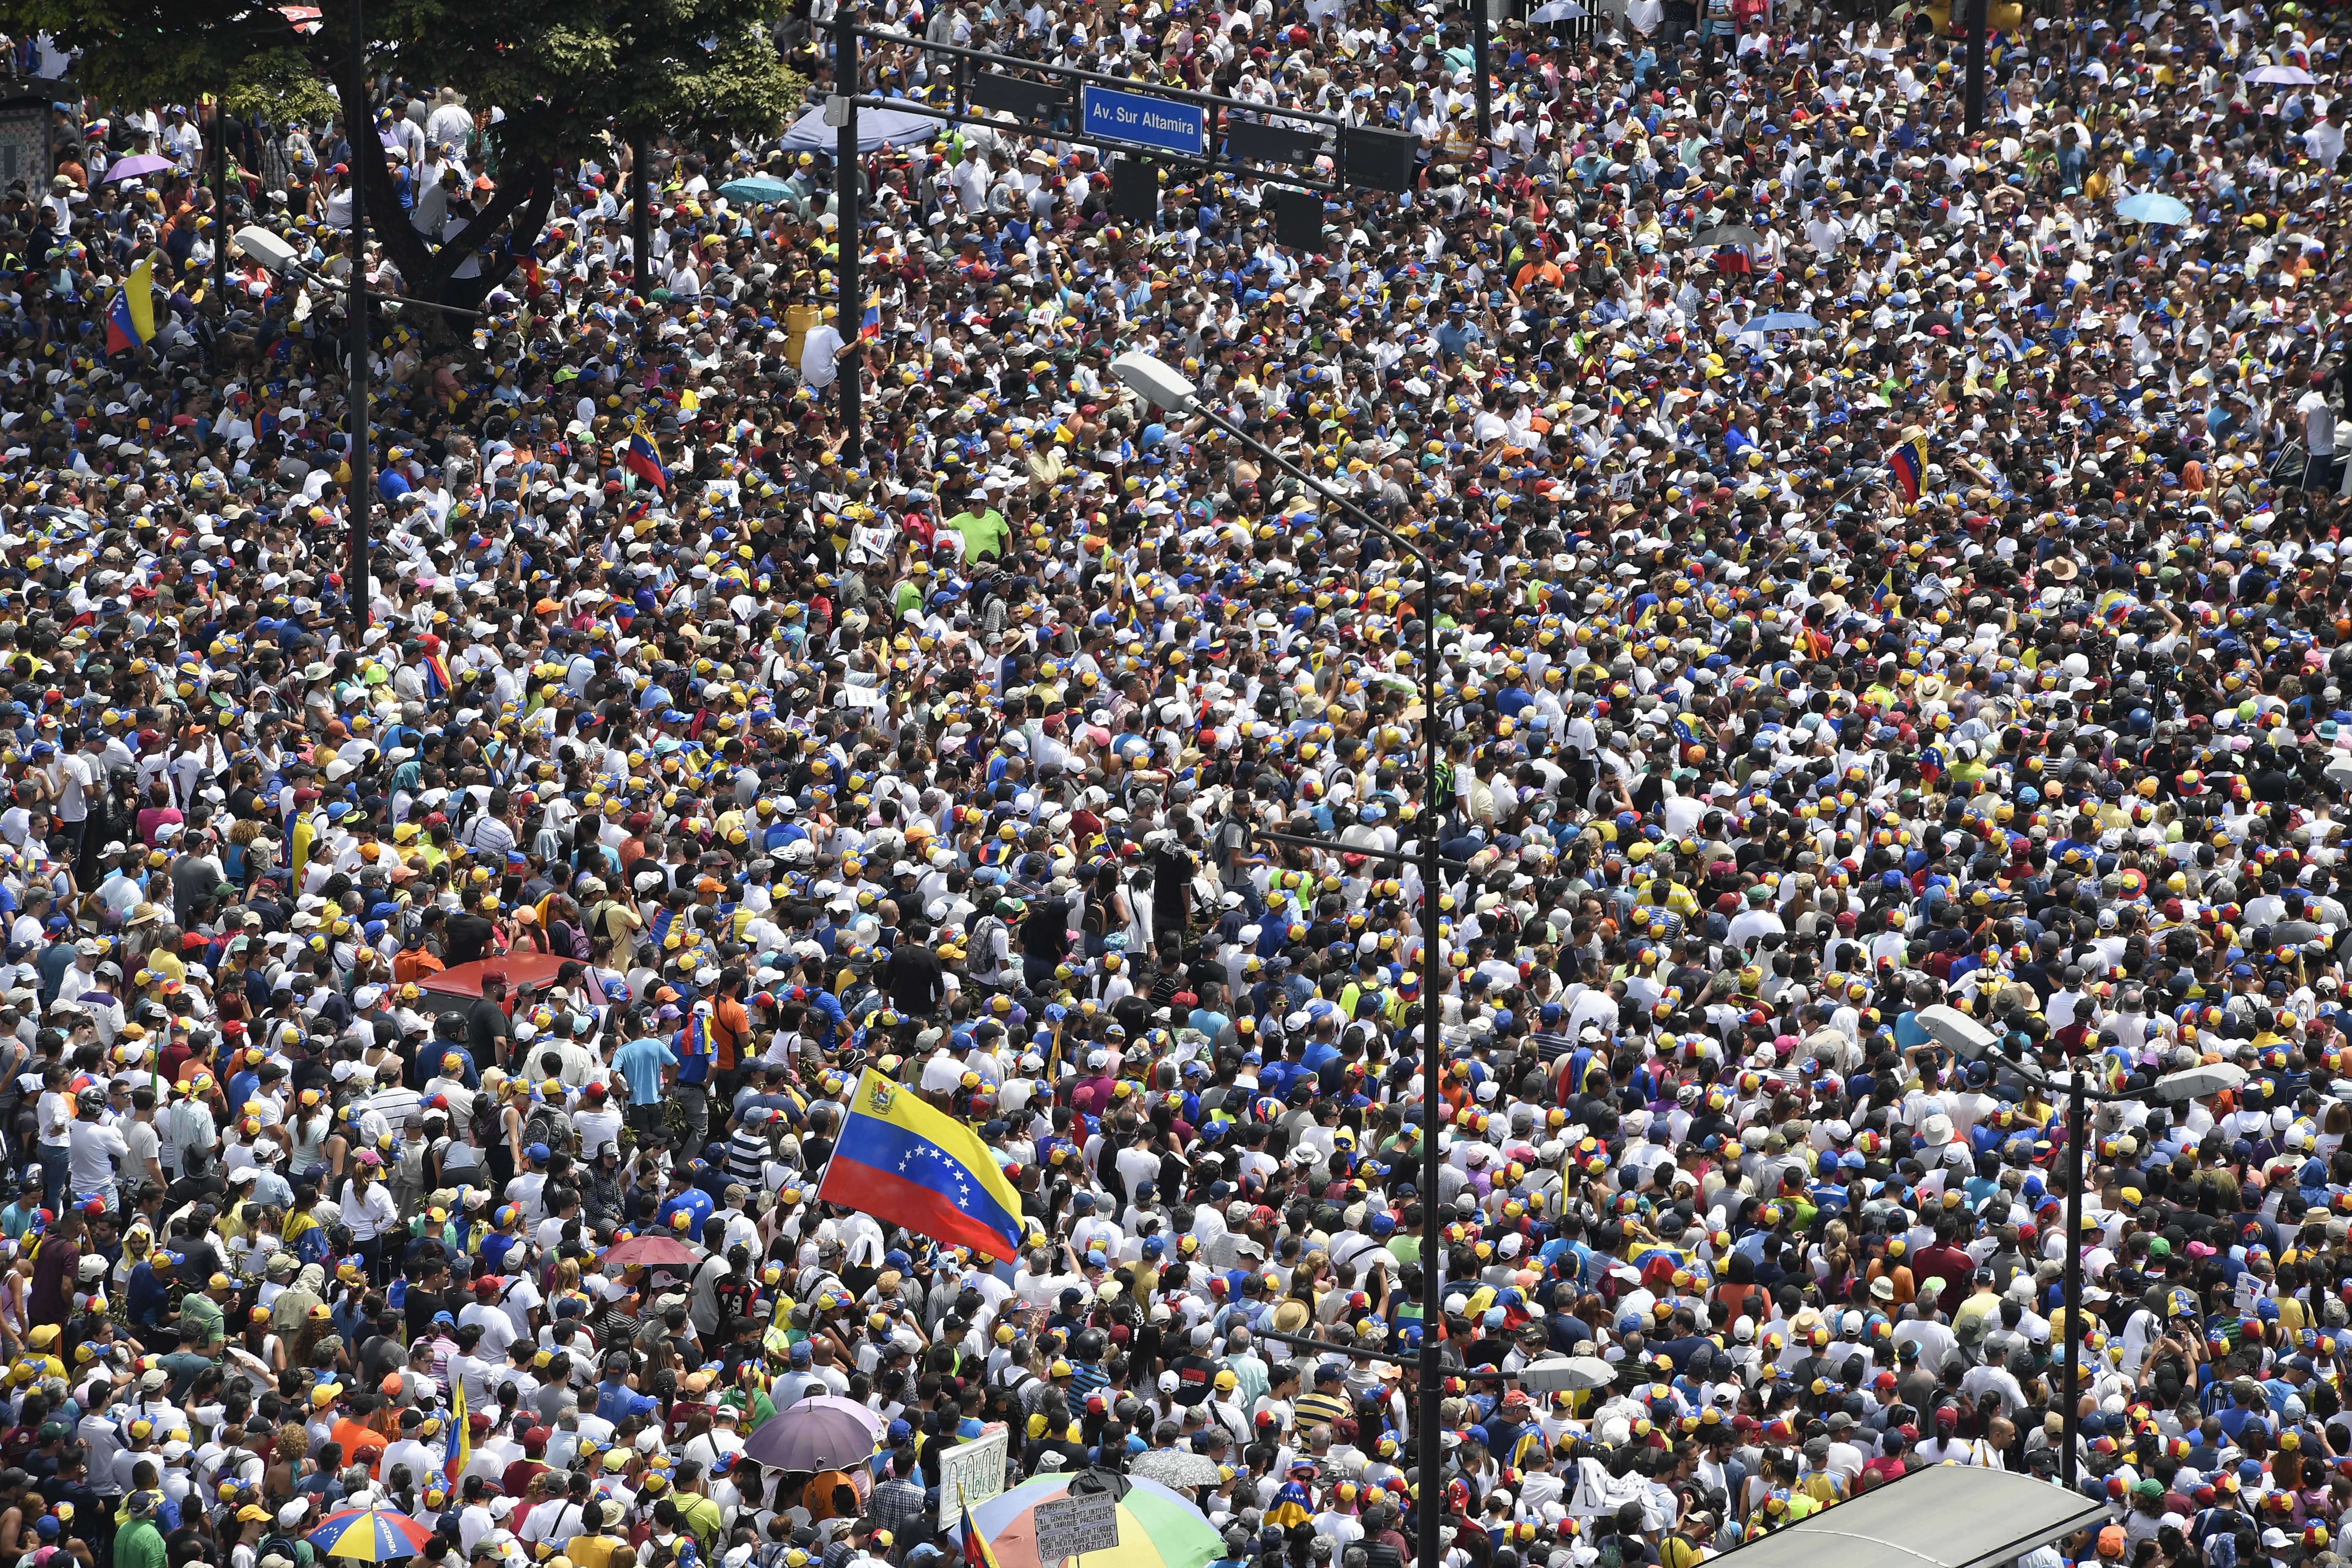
point(436, 676)
point(870, 324)
point(900, 1161)
point(976, 1553)
point(640, 458)
point(696, 1047)
point(461, 1433)
point(130, 321)
point(1908, 463)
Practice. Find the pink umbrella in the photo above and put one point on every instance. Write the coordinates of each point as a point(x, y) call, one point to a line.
point(137, 166)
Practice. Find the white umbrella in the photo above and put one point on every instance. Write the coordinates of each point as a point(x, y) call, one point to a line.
point(1574, 1373)
point(1175, 1468)
point(2282, 76)
point(1558, 11)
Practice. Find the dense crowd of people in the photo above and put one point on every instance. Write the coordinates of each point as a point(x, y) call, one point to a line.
point(1878, 565)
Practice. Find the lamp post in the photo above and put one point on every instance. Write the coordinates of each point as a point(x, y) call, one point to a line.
point(358, 597)
point(1165, 388)
point(641, 217)
point(1970, 1040)
point(266, 250)
point(1973, 99)
point(274, 256)
point(848, 314)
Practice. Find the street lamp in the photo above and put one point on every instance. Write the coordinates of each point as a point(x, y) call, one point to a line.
point(1160, 385)
point(270, 252)
point(274, 256)
point(1969, 1041)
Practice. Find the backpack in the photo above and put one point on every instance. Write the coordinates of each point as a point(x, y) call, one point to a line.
point(983, 946)
point(485, 1121)
point(541, 1127)
point(570, 938)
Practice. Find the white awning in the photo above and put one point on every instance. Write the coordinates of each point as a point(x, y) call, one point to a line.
point(1946, 1516)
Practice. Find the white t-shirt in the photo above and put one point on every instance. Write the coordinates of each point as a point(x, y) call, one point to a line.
point(818, 366)
point(498, 1332)
point(75, 777)
point(96, 1146)
point(57, 1119)
point(2319, 437)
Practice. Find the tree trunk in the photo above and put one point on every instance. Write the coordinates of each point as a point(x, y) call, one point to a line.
point(426, 271)
point(387, 225)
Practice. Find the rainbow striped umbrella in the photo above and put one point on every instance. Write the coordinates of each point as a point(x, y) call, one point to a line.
point(1159, 1527)
point(370, 1535)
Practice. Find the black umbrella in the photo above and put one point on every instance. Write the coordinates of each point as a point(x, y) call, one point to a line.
point(1728, 234)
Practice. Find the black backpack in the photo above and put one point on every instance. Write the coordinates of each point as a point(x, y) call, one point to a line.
point(542, 1127)
point(486, 1120)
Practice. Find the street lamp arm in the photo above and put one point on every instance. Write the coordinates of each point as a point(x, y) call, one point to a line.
point(1356, 514)
point(273, 255)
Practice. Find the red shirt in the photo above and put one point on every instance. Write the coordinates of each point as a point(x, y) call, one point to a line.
point(517, 1476)
point(1881, 1470)
point(1944, 1262)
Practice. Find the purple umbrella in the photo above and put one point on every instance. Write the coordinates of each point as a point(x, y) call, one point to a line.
point(138, 164)
point(820, 1432)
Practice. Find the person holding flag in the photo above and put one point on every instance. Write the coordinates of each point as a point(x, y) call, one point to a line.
point(131, 319)
point(1907, 461)
point(640, 457)
point(460, 1449)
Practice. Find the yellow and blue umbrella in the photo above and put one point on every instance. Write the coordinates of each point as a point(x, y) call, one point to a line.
point(370, 1535)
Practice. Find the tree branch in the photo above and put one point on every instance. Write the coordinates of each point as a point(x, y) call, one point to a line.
point(386, 223)
point(505, 198)
point(533, 222)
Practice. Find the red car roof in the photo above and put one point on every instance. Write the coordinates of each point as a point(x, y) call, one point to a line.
point(525, 972)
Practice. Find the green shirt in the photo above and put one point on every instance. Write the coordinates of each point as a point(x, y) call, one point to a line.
point(702, 1517)
point(984, 533)
point(139, 1544)
point(204, 1312)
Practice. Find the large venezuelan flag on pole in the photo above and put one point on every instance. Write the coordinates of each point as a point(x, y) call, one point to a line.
point(900, 1161)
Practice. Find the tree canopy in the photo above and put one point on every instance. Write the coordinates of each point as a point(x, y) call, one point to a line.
point(562, 76)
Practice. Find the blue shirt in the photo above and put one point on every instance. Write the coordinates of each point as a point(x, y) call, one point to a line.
point(693, 1202)
point(641, 1062)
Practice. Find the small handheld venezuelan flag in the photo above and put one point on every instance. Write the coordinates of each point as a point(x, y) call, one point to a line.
point(641, 459)
point(1908, 463)
point(461, 1433)
point(131, 319)
point(975, 1550)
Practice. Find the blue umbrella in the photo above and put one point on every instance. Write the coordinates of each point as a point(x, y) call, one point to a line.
point(2152, 206)
point(1784, 322)
point(754, 190)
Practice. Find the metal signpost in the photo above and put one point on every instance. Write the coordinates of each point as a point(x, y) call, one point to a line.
point(1140, 119)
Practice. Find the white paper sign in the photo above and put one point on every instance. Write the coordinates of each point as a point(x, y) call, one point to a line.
point(970, 1473)
point(1072, 1526)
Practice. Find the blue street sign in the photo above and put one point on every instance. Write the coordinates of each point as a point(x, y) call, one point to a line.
point(1142, 120)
